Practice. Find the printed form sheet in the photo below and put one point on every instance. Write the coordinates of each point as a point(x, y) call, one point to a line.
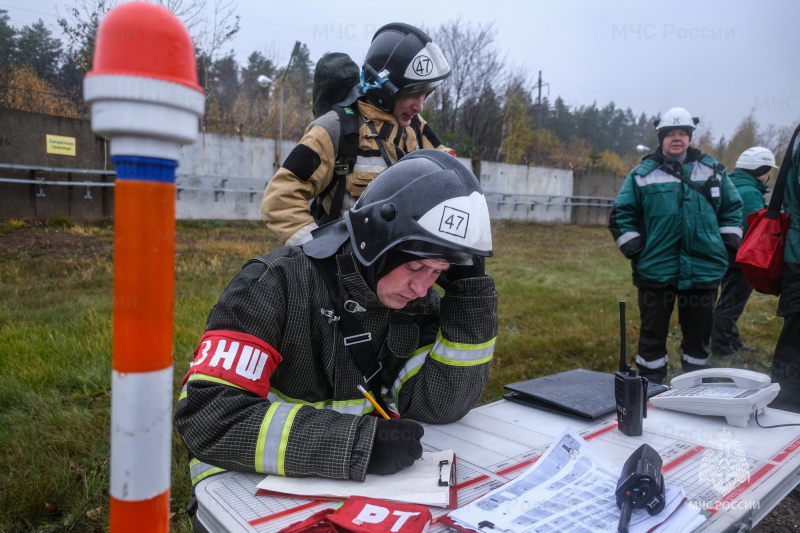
point(570, 488)
point(496, 443)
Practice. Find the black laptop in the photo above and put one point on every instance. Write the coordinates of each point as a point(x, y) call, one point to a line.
point(581, 393)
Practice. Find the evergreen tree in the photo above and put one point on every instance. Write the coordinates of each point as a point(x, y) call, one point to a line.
point(36, 47)
point(224, 76)
point(7, 43)
point(257, 65)
point(562, 122)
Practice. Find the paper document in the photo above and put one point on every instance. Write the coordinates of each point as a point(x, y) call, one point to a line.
point(419, 483)
point(570, 488)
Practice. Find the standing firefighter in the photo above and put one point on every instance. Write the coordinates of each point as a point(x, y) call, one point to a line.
point(677, 219)
point(274, 384)
point(373, 127)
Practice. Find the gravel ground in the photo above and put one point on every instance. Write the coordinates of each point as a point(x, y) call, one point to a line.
point(785, 517)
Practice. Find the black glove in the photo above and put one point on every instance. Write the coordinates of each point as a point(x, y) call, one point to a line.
point(456, 272)
point(396, 446)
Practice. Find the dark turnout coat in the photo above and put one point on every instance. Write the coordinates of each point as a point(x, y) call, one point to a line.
point(273, 388)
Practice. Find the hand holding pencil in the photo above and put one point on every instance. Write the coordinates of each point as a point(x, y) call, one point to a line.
point(396, 444)
point(375, 404)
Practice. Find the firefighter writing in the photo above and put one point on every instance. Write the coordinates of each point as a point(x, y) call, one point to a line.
point(241, 359)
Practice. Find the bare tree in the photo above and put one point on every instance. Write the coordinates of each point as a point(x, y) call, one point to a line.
point(777, 138)
point(80, 28)
point(212, 31)
point(209, 31)
point(466, 103)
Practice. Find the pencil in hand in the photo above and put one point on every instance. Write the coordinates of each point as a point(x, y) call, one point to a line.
point(377, 407)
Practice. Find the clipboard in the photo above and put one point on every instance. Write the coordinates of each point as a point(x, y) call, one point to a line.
point(581, 393)
point(430, 481)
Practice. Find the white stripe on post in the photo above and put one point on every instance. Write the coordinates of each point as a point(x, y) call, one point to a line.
point(141, 418)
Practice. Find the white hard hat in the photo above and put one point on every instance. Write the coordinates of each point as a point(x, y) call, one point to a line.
point(756, 157)
point(677, 117)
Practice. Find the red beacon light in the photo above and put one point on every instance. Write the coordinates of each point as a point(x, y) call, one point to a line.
point(143, 86)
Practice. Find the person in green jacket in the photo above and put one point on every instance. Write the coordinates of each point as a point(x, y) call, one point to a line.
point(750, 179)
point(676, 217)
point(786, 361)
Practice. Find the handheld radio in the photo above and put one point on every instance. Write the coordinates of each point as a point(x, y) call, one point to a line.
point(630, 390)
point(641, 484)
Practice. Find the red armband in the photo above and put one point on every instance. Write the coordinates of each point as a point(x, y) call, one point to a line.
point(238, 358)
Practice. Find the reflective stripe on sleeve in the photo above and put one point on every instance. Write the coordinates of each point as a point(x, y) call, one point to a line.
point(658, 363)
point(141, 409)
point(627, 237)
point(736, 230)
point(203, 377)
point(455, 354)
point(346, 407)
point(273, 437)
point(411, 367)
point(199, 470)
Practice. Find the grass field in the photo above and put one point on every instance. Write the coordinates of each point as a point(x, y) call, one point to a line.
point(559, 289)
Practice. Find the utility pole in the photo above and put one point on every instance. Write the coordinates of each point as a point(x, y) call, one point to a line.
point(539, 85)
point(279, 151)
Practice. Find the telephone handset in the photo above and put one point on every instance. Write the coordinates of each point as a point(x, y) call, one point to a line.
point(748, 392)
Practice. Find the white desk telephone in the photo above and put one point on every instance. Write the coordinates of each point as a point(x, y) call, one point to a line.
point(748, 393)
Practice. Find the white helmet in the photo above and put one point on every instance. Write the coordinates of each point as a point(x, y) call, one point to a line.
point(677, 117)
point(756, 157)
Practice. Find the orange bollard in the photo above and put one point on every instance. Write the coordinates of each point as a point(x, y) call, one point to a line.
point(145, 97)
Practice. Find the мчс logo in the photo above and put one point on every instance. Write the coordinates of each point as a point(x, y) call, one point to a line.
point(724, 465)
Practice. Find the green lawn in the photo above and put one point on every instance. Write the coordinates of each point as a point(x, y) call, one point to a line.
point(559, 290)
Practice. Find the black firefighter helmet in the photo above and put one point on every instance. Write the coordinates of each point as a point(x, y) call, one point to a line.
point(427, 204)
point(401, 61)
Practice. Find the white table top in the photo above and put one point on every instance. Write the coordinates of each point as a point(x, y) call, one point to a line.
point(497, 442)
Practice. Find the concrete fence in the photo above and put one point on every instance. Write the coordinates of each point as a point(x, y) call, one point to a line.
point(223, 177)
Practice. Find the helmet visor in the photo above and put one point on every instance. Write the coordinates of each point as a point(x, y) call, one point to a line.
point(427, 250)
point(416, 90)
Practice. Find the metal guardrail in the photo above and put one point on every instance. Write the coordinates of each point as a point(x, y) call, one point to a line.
point(547, 201)
point(231, 184)
point(218, 189)
point(40, 181)
point(222, 188)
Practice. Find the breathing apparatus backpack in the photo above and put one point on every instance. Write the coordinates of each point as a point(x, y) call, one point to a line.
point(336, 87)
point(335, 77)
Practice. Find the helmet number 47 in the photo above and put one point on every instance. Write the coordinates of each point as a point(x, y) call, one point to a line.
point(454, 222)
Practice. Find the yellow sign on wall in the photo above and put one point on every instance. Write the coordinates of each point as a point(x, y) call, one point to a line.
point(56, 144)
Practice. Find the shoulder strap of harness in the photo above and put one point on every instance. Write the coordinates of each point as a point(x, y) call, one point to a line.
point(416, 124)
point(355, 338)
point(379, 141)
point(346, 155)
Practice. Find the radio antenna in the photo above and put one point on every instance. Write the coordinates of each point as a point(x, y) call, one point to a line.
point(623, 348)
